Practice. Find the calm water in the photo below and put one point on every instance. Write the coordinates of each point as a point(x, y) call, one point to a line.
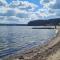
point(17, 38)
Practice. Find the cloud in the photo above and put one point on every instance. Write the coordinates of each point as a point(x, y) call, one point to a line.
point(47, 3)
point(51, 8)
point(24, 11)
point(3, 3)
point(21, 11)
point(23, 5)
point(57, 5)
point(47, 11)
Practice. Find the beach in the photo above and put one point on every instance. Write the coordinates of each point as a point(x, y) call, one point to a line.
point(49, 51)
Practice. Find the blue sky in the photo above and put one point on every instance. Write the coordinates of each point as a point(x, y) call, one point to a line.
point(9, 1)
point(34, 1)
point(23, 11)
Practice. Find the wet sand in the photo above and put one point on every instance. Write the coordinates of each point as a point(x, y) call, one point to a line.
point(49, 51)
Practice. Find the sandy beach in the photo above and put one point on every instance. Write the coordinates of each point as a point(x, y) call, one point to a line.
point(49, 51)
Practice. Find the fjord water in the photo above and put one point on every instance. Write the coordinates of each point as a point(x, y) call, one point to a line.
point(20, 38)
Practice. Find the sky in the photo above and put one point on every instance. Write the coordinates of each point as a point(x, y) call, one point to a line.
point(34, 1)
point(23, 11)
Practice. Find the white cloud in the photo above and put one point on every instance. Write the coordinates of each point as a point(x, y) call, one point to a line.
point(47, 4)
point(24, 11)
point(3, 3)
point(23, 5)
point(21, 11)
point(3, 9)
point(47, 11)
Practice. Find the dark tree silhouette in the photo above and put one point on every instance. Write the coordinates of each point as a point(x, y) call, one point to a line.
point(50, 22)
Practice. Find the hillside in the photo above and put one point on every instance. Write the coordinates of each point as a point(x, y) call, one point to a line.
point(49, 22)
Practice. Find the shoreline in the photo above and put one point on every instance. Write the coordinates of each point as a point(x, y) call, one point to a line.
point(31, 54)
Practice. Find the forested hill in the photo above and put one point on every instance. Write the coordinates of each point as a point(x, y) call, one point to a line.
point(49, 22)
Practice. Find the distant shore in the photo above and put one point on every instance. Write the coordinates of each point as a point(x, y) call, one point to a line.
point(33, 27)
point(13, 24)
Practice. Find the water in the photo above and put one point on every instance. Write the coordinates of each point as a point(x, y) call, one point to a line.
point(17, 38)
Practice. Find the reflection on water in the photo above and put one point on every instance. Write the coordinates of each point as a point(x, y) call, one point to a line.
point(17, 38)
